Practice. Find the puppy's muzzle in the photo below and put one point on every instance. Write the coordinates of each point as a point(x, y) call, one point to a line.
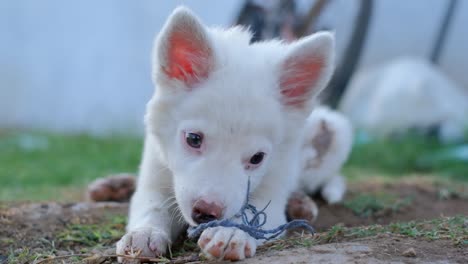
point(203, 211)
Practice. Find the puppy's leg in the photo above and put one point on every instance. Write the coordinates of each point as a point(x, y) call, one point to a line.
point(152, 224)
point(327, 144)
point(151, 228)
point(334, 190)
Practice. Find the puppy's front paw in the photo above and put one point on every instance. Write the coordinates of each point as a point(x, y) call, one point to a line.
point(143, 242)
point(228, 243)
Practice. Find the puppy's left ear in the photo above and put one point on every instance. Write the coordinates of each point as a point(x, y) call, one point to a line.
point(306, 70)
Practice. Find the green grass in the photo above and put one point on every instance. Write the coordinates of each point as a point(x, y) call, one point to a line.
point(368, 204)
point(40, 166)
point(454, 229)
point(44, 166)
point(406, 155)
point(88, 238)
point(105, 233)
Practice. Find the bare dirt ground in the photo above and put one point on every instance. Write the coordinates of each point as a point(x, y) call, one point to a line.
point(408, 201)
point(405, 222)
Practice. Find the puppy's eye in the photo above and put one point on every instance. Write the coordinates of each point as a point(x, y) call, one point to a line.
point(257, 158)
point(194, 140)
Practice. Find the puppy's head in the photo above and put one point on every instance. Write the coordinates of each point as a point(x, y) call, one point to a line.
point(223, 108)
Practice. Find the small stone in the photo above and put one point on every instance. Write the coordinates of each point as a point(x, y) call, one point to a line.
point(410, 253)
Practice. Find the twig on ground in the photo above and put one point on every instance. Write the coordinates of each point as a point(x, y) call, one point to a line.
point(53, 258)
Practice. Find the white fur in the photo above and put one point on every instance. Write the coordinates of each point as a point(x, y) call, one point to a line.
point(323, 174)
point(240, 110)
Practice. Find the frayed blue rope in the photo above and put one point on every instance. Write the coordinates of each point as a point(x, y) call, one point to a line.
point(253, 227)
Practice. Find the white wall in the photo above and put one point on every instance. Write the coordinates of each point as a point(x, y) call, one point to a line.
point(85, 65)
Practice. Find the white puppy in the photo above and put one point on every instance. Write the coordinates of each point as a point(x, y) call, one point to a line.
point(327, 144)
point(223, 111)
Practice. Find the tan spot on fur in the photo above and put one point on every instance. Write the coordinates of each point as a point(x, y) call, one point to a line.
point(321, 143)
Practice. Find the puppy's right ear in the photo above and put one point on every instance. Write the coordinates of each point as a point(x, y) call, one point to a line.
point(183, 53)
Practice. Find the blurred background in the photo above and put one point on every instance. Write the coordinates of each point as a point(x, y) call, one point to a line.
point(75, 78)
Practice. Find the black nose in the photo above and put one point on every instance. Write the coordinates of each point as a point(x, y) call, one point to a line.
point(203, 212)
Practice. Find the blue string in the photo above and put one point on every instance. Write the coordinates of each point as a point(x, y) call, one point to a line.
point(253, 227)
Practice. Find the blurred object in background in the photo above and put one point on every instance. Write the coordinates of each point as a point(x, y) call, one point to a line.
point(84, 67)
point(252, 16)
point(352, 54)
point(407, 94)
point(445, 26)
point(269, 19)
point(402, 96)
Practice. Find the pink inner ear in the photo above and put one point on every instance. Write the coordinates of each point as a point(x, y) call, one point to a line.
point(188, 59)
point(299, 78)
